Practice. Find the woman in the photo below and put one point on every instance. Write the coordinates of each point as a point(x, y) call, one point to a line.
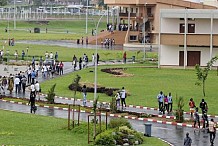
point(11, 83)
point(84, 90)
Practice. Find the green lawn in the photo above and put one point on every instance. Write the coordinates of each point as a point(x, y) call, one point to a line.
point(30, 129)
point(66, 54)
point(144, 85)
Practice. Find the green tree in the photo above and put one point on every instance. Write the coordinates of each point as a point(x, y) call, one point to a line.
point(179, 110)
point(51, 95)
point(3, 2)
point(202, 73)
point(37, 2)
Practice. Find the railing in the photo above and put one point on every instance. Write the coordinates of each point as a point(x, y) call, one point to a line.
point(126, 14)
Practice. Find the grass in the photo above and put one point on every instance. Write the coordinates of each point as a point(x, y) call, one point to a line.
point(144, 85)
point(30, 129)
point(66, 54)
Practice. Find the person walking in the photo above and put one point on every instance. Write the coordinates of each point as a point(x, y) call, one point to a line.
point(23, 81)
point(124, 57)
point(191, 107)
point(32, 89)
point(84, 91)
point(203, 106)
point(32, 103)
point(10, 83)
point(165, 105)
point(80, 63)
point(212, 131)
point(37, 88)
point(61, 67)
point(123, 97)
point(17, 84)
point(205, 121)
point(160, 98)
point(196, 118)
point(187, 140)
point(170, 102)
point(117, 96)
point(74, 62)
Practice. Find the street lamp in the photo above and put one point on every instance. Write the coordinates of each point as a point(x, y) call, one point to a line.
point(27, 49)
point(7, 52)
point(14, 14)
point(87, 3)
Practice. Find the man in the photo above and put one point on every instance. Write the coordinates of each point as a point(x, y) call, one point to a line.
point(17, 82)
point(160, 98)
point(23, 81)
point(170, 102)
point(203, 106)
point(37, 88)
point(51, 55)
point(32, 89)
point(212, 131)
point(123, 97)
point(187, 140)
point(32, 103)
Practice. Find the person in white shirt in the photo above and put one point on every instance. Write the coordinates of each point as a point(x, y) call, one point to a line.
point(123, 97)
point(46, 55)
point(37, 88)
point(51, 55)
point(32, 89)
point(170, 102)
point(16, 82)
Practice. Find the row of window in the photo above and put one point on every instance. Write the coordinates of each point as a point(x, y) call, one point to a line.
point(191, 28)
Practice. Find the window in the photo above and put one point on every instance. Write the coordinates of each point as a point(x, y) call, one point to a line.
point(191, 28)
point(133, 38)
point(148, 10)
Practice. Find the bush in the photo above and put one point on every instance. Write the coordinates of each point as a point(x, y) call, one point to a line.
point(118, 122)
point(51, 95)
point(105, 138)
point(113, 106)
point(179, 110)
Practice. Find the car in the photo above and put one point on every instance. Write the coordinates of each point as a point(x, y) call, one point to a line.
point(49, 62)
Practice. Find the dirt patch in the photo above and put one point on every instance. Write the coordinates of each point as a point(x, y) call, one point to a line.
point(117, 72)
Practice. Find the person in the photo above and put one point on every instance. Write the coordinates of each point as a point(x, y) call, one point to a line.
point(196, 118)
point(23, 54)
point(16, 82)
point(203, 106)
point(61, 66)
point(84, 91)
point(10, 83)
point(32, 103)
point(51, 55)
point(74, 62)
point(187, 140)
point(4, 84)
point(93, 59)
point(56, 56)
point(37, 88)
point(165, 105)
point(33, 76)
point(23, 81)
point(80, 63)
point(29, 71)
point(160, 98)
point(123, 97)
point(16, 55)
point(32, 89)
point(82, 40)
point(191, 107)
point(212, 131)
point(205, 121)
point(124, 57)
point(46, 54)
point(98, 58)
point(170, 102)
point(117, 96)
point(33, 62)
point(87, 40)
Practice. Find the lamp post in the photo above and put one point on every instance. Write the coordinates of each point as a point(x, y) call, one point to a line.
point(14, 14)
point(27, 49)
point(7, 58)
point(87, 3)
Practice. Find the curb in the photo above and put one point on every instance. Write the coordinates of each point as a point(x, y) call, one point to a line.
point(111, 115)
point(131, 106)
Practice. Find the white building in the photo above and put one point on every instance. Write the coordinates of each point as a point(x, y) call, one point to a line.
point(187, 37)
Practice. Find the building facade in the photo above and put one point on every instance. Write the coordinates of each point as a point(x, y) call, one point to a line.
point(187, 37)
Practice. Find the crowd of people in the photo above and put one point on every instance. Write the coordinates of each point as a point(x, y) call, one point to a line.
point(165, 102)
point(121, 98)
point(108, 42)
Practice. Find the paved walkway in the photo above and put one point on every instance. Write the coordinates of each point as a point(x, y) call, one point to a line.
point(173, 134)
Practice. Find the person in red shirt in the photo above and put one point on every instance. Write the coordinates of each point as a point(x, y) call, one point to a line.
point(61, 66)
point(124, 57)
point(191, 107)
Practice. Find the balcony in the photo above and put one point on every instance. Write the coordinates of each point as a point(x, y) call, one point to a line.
point(150, 16)
point(126, 14)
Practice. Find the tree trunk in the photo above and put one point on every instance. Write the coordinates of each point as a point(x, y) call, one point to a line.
point(203, 86)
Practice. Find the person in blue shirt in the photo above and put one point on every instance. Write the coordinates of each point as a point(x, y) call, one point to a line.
point(170, 102)
point(160, 98)
point(33, 76)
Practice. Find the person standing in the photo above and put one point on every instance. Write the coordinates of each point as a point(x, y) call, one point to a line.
point(10, 83)
point(98, 57)
point(32, 103)
point(117, 96)
point(37, 88)
point(23, 54)
point(29, 75)
point(74, 63)
point(203, 106)
point(187, 140)
point(205, 121)
point(82, 40)
point(33, 76)
point(84, 91)
point(191, 107)
point(123, 97)
point(32, 89)
point(80, 63)
point(23, 81)
point(17, 84)
point(165, 105)
point(93, 59)
point(170, 102)
point(160, 98)
point(56, 56)
point(61, 67)
point(197, 118)
point(212, 131)
point(124, 57)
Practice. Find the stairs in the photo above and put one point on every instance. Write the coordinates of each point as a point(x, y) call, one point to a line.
point(118, 36)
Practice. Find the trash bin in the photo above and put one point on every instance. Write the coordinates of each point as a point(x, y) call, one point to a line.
point(36, 30)
point(148, 129)
point(133, 58)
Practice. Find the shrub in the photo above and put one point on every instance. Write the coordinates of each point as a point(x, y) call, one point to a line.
point(117, 122)
point(179, 110)
point(51, 95)
point(113, 106)
point(105, 138)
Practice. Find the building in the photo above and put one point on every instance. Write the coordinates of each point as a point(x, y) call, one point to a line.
point(138, 20)
point(187, 37)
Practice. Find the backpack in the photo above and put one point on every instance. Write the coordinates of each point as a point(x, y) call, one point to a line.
point(187, 141)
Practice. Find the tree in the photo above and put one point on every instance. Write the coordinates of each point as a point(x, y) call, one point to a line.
point(179, 110)
point(202, 73)
point(51, 95)
point(3, 2)
point(75, 85)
